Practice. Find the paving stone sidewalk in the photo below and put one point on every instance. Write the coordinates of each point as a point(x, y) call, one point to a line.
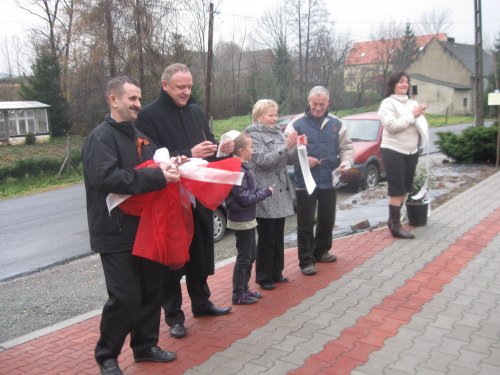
point(424, 306)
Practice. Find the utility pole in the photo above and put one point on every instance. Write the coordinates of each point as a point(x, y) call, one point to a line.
point(208, 87)
point(479, 105)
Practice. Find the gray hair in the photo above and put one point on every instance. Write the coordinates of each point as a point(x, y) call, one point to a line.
point(172, 69)
point(261, 107)
point(319, 91)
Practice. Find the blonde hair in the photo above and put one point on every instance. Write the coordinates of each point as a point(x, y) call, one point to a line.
point(261, 107)
point(240, 142)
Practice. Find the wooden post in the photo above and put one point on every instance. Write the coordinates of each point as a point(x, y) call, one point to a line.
point(479, 97)
point(208, 87)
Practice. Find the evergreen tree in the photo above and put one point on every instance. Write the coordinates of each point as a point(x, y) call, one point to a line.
point(407, 51)
point(44, 86)
point(283, 73)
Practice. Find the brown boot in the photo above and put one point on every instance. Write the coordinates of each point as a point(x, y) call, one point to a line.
point(394, 223)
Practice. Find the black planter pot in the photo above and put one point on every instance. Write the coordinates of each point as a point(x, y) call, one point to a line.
point(417, 213)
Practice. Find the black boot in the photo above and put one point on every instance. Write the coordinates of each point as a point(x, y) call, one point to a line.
point(394, 223)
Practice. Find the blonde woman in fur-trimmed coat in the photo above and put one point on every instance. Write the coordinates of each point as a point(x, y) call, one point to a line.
point(272, 152)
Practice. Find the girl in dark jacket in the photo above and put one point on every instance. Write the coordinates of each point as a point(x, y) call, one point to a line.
point(241, 206)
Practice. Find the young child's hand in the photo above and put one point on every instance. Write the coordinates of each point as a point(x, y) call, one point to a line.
point(272, 189)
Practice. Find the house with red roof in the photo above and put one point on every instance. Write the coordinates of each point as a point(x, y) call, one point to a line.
point(442, 74)
point(370, 61)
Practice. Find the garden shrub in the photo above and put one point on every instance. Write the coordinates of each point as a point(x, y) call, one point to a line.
point(473, 145)
point(34, 167)
point(30, 139)
point(5, 172)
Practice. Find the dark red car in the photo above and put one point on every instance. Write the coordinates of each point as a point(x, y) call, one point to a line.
point(365, 131)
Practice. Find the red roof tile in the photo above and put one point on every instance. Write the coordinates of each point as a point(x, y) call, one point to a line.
point(367, 52)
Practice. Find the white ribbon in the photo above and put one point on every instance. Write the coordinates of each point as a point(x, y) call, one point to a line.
point(304, 166)
point(423, 130)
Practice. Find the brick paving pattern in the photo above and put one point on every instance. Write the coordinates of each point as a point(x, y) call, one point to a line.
point(424, 306)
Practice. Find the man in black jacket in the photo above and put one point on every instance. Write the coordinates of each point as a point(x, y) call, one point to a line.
point(110, 153)
point(174, 121)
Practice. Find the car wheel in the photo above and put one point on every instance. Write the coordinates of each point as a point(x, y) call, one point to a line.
point(371, 177)
point(220, 225)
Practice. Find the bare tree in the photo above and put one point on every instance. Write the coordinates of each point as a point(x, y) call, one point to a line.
point(435, 21)
point(48, 11)
point(5, 49)
point(308, 16)
point(273, 33)
point(387, 42)
point(108, 12)
point(195, 26)
point(329, 53)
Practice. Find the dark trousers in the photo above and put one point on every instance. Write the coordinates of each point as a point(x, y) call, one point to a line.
point(196, 270)
point(198, 291)
point(400, 170)
point(270, 250)
point(312, 245)
point(134, 290)
point(246, 247)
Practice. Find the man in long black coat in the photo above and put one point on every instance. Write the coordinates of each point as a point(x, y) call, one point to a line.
point(174, 121)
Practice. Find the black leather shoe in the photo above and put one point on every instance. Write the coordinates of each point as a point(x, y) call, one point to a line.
point(154, 354)
point(212, 311)
point(267, 286)
point(178, 330)
point(110, 367)
point(282, 279)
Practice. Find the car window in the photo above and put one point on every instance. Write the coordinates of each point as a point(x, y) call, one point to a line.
point(362, 130)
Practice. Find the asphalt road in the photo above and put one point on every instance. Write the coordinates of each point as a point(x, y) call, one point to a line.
point(41, 230)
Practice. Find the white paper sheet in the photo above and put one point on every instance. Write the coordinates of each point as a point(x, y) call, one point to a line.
point(229, 136)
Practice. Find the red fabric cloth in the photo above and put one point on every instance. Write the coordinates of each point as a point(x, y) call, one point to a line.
point(211, 195)
point(166, 223)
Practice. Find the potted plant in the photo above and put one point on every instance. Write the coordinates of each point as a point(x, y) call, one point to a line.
point(418, 201)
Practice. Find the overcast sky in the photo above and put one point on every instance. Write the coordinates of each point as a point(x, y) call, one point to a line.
point(359, 18)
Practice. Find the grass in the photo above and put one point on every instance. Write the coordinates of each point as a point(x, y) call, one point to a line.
point(25, 186)
point(57, 148)
point(241, 122)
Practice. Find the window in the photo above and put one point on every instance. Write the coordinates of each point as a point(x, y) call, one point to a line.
point(414, 90)
point(24, 121)
point(465, 102)
point(43, 124)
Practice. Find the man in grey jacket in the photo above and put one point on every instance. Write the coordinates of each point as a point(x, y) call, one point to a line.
point(328, 148)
